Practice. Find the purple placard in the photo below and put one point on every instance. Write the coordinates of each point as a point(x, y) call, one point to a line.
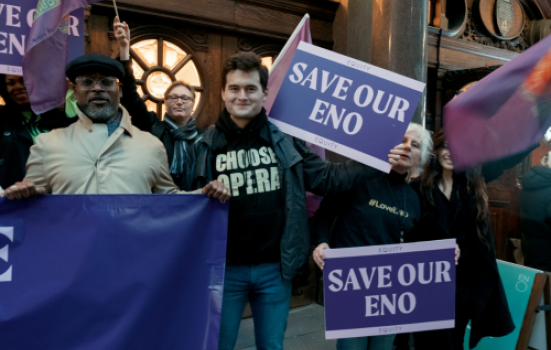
point(16, 17)
point(345, 105)
point(380, 290)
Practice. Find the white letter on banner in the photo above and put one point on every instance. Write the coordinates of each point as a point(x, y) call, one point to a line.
point(353, 280)
point(422, 279)
point(442, 271)
point(335, 117)
point(390, 305)
point(73, 26)
point(8, 232)
point(341, 87)
point(369, 305)
point(30, 17)
point(401, 277)
point(397, 109)
point(298, 73)
point(318, 110)
point(324, 78)
point(3, 42)
point(336, 280)
point(1, 8)
point(384, 276)
point(357, 127)
point(412, 303)
point(380, 95)
point(365, 277)
point(11, 15)
point(368, 98)
point(19, 46)
point(312, 78)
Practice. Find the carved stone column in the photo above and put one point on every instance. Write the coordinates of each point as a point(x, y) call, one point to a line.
point(399, 41)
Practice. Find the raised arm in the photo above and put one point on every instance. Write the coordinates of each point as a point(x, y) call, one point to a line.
point(142, 118)
point(322, 177)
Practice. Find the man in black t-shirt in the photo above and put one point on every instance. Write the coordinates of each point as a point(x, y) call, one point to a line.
point(267, 173)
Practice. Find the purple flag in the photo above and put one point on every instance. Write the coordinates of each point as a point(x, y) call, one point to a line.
point(46, 53)
point(283, 61)
point(504, 113)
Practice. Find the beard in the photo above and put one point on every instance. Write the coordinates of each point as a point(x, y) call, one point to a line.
point(101, 115)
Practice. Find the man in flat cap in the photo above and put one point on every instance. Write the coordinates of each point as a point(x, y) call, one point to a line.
point(102, 153)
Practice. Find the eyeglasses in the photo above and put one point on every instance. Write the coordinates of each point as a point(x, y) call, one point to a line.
point(174, 98)
point(109, 84)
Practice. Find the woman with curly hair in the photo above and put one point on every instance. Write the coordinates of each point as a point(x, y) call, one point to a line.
point(455, 205)
point(19, 126)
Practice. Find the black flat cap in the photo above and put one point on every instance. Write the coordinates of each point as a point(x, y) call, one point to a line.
point(94, 62)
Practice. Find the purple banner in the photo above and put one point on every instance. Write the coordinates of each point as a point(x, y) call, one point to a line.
point(344, 105)
point(111, 272)
point(389, 289)
point(16, 18)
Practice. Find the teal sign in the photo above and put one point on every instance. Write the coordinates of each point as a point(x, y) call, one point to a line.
point(517, 281)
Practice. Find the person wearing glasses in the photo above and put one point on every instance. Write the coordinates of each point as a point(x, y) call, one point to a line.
point(177, 131)
point(102, 152)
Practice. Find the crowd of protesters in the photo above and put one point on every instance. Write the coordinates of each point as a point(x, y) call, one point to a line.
point(105, 141)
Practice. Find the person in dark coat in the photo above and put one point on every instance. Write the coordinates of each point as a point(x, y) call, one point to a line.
point(535, 216)
point(455, 205)
point(19, 126)
point(268, 174)
point(356, 217)
point(178, 130)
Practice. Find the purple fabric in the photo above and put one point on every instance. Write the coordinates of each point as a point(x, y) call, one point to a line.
point(280, 67)
point(504, 113)
point(112, 272)
point(46, 54)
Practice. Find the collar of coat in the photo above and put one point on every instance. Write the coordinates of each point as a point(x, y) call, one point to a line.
point(126, 124)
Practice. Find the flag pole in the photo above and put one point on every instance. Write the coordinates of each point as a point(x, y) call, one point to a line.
point(116, 12)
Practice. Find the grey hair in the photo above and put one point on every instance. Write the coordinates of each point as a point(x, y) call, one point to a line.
point(426, 143)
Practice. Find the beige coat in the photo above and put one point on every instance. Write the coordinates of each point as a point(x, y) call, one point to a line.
point(83, 159)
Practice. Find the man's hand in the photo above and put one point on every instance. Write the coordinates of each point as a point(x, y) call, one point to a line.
point(216, 189)
point(122, 33)
point(319, 257)
point(23, 189)
point(457, 254)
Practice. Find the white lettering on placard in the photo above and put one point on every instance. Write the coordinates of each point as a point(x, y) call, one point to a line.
point(8, 232)
point(364, 96)
point(334, 277)
point(376, 305)
point(442, 271)
point(407, 274)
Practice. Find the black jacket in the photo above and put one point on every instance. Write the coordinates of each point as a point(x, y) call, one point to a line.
point(16, 141)
point(376, 212)
point(489, 311)
point(148, 121)
point(535, 218)
point(300, 170)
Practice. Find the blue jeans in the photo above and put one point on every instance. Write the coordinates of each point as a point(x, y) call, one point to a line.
point(380, 342)
point(269, 296)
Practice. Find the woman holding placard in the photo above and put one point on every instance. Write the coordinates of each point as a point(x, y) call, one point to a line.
point(455, 205)
point(384, 204)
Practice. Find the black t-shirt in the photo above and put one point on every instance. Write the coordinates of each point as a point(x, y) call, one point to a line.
point(248, 166)
point(371, 214)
